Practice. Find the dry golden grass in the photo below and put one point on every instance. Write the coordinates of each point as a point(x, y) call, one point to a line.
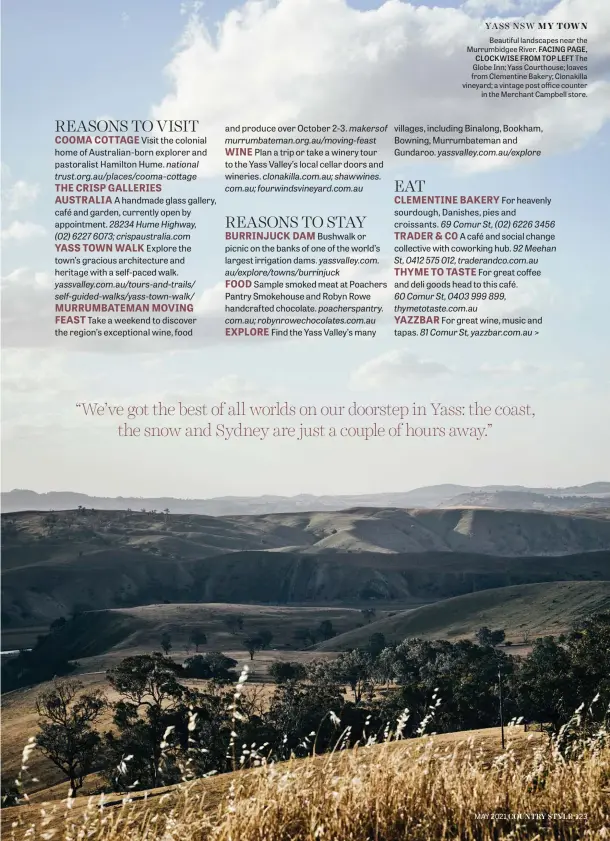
point(421, 789)
point(20, 723)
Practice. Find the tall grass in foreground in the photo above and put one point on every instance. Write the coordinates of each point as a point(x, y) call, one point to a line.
point(418, 791)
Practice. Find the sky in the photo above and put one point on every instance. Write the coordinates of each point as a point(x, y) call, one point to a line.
point(294, 61)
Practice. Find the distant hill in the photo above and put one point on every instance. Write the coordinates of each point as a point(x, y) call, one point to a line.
point(55, 563)
point(555, 499)
point(34, 537)
point(524, 611)
point(530, 501)
point(126, 631)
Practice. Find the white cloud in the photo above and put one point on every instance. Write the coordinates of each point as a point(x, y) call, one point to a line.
point(27, 308)
point(232, 386)
point(25, 372)
point(505, 7)
point(38, 390)
point(321, 61)
point(22, 231)
point(517, 367)
point(393, 368)
point(19, 195)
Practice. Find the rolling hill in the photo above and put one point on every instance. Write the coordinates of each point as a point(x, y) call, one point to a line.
point(553, 499)
point(127, 631)
point(49, 790)
point(57, 562)
point(524, 611)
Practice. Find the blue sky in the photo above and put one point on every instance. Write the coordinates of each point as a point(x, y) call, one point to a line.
point(87, 60)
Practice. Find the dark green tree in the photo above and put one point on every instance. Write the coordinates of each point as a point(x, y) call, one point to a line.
point(326, 629)
point(151, 702)
point(546, 693)
point(376, 644)
point(211, 666)
point(166, 643)
point(355, 668)
point(252, 645)
point(198, 637)
point(65, 735)
point(282, 671)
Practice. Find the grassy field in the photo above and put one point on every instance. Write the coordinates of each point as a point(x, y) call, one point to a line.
point(440, 787)
point(98, 638)
point(19, 724)
point(20, 721)
point(524, 611)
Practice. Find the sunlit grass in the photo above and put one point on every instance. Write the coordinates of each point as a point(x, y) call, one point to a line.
point(413, 789)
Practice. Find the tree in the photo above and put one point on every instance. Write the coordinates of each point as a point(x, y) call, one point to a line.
point(151, 703)
point(9, 528)
point(305, 636)
point(46, 661)
point(234, 622)
point(211, 666)
point(50, 522)
point(369, 613)
point(485, 636)
point(589, 648)
point(146, 679)
point(356, 669)
point(376, 644)
point(198, 637)
point(546, 692)
point(298, 710)
point(57, 624)
point(326, 629)
point(498, 636)
point(10, 793)
point(561, 675)
point(282, 671)
point(65, 733)
point(265, 637)
point(464, 676)
point(252, 645)
point(166, 643)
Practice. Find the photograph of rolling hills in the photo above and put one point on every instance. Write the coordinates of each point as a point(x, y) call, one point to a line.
point(202, 665)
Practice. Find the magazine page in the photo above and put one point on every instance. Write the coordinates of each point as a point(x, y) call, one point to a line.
point(306, 476)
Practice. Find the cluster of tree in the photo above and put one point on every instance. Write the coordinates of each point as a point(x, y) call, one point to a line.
point(51, 656)
point(195, 638)
point(164, 731)
point(252, 644)
point(211, 666)
point(310, 636)
point(46, 659)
